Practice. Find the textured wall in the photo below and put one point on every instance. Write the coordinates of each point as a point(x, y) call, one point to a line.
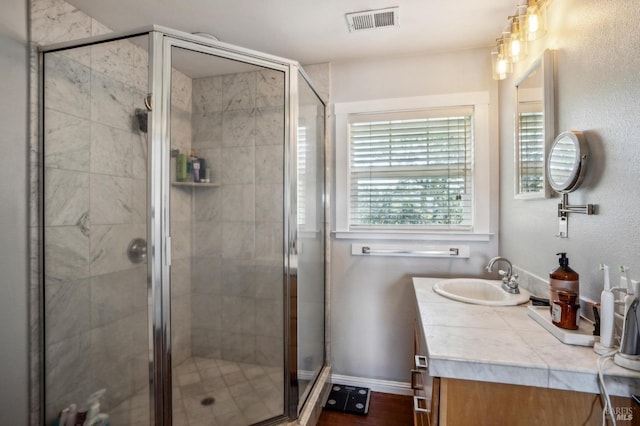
point(598, 88)
point(403, 76)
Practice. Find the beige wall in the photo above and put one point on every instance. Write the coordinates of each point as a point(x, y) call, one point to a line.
point(14, 255)
point(404, 76)
point(597, 92)
point(372, 306)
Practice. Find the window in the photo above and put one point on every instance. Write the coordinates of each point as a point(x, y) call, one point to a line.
point(411, 169)
point(416, 168)
point(531, 137)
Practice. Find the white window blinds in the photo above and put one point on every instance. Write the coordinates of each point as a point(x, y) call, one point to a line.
point(531, 137)
point(411, 170)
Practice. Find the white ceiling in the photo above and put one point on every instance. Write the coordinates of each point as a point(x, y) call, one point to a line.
point(314, 31)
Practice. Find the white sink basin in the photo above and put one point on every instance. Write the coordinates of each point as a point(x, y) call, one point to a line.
point(479, 292)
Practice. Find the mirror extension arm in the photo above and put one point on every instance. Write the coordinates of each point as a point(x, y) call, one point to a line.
point(564, 208)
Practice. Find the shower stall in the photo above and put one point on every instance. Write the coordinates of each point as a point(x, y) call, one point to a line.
point(183, 230)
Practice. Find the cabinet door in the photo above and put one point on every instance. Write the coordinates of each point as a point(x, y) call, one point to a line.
point(467, 402)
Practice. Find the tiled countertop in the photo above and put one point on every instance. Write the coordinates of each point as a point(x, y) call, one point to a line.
point(504, 345)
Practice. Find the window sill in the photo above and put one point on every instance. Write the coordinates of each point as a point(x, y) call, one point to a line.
point(412, 236)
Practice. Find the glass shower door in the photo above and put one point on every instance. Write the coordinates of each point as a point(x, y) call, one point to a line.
point(310, 291)
point(94, 183)
point(226, 203)
point(203, 165)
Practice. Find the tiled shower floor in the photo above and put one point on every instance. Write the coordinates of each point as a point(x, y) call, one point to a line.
point(244, 394)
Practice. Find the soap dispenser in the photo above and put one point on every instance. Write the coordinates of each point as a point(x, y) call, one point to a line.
point(564, 295)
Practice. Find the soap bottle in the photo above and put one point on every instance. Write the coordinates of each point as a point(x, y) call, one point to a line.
point(193, 166)
point(564, 295)
point(94, 418)
point(181, 167)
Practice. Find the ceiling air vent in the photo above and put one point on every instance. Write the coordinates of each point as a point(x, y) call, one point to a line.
point(372, 19)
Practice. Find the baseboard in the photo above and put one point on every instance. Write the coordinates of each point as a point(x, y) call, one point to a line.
point(306, 375)
point(376, 385)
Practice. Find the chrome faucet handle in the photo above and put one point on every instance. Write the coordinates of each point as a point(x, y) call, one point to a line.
point(511, 285)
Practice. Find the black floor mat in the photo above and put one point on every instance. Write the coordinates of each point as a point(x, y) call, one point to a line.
point(348, 399)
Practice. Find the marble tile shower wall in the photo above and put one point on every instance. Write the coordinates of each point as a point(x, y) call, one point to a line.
point(51, 21)
point(94, 183)
point(95, 300)
point(238, 127)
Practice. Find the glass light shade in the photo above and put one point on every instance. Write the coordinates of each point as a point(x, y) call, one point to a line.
point(536, 20)
point(500, 63)
point(517, 44)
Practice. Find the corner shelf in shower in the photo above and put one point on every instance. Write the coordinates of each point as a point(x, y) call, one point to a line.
point(196, 185)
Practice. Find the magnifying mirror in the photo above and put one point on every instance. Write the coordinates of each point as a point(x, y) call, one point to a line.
point(567, 161)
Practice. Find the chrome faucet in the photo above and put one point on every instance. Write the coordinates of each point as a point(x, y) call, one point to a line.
point(509, 280)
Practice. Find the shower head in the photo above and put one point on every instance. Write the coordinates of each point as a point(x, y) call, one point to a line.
point(141, 118)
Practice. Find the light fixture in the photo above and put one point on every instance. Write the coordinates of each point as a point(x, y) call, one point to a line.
point(527, 24)
point(536, 21)
point(500, 61)
point(517, 43)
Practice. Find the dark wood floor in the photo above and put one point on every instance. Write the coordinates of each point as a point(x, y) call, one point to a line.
point(384, 410)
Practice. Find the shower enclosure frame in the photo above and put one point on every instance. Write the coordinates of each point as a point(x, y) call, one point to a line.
point(161, 41)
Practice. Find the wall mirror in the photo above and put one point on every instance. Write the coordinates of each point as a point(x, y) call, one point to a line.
point(534, 127)
point(567, 161)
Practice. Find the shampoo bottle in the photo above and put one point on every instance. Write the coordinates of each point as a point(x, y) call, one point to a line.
point(62, 419)
point(181, 167)
point(94, 408)
point(564, 295)
point(72, 416)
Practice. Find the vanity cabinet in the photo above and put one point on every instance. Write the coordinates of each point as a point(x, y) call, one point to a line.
point(496, 366)
point(440, 401)
point(466, 402)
